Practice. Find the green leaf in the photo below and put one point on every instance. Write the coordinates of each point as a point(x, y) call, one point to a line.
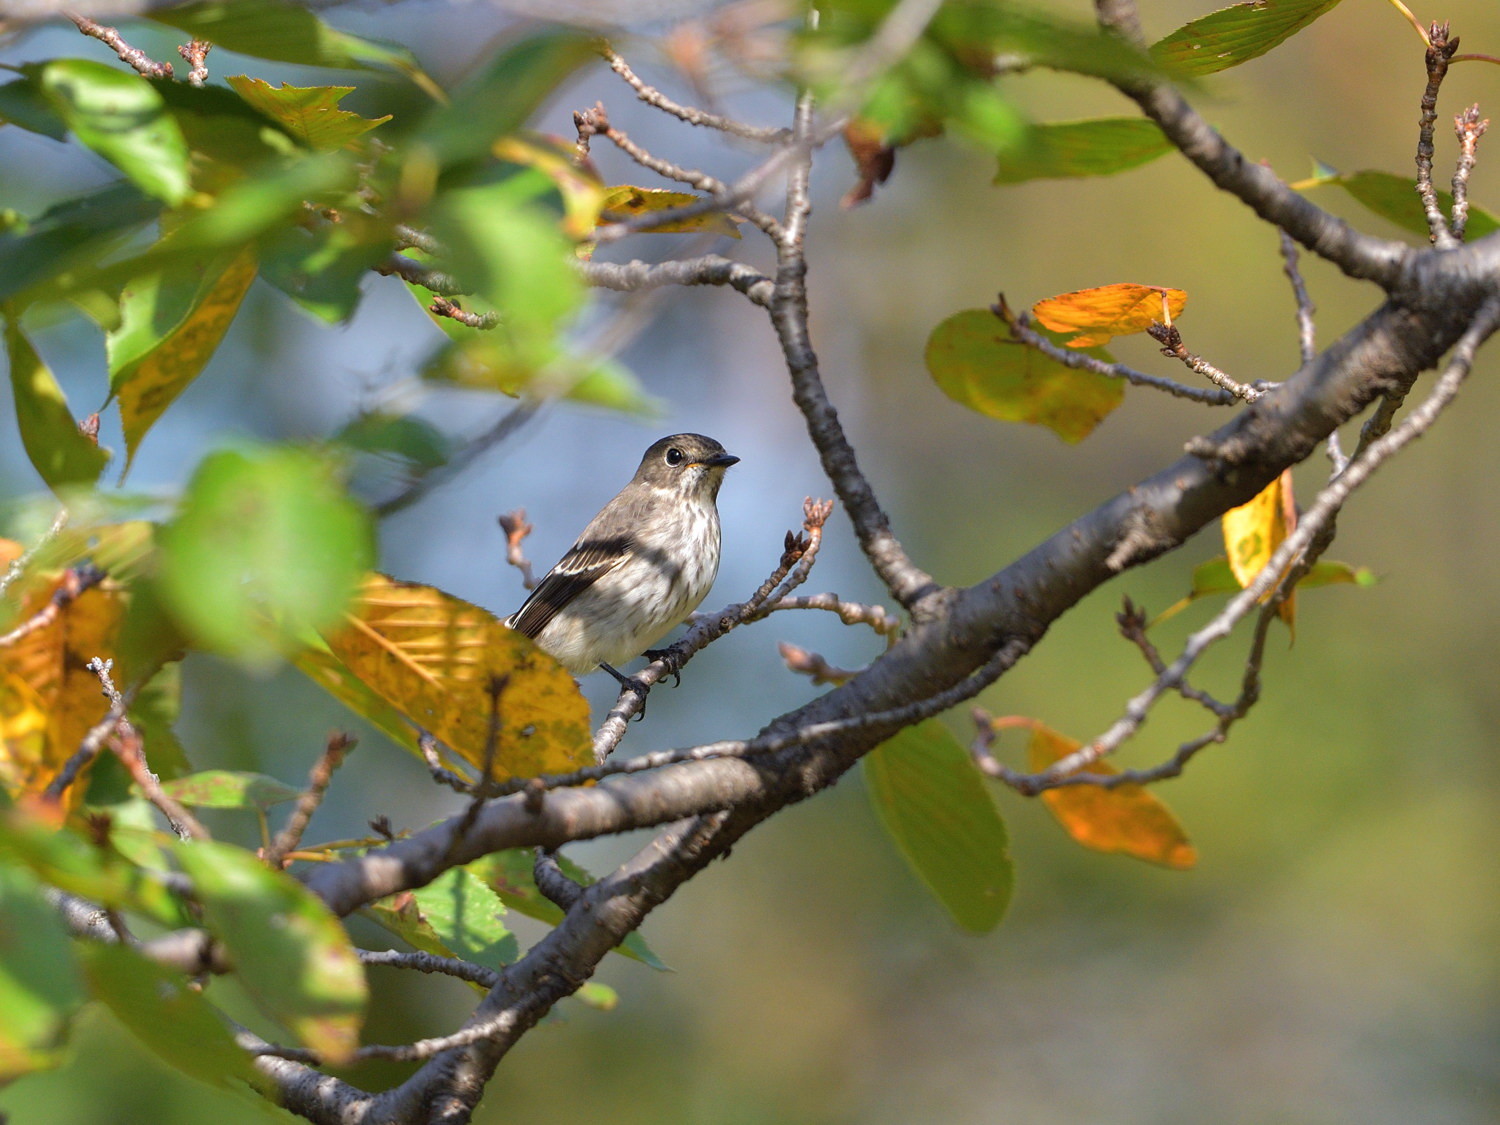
point(120, 116)
point(265, 546)
point(1215, 577)
point(455, 915)
point(324, 269)
point(59, 451)
point(468, 918)
point(72, 233)
point(975, 360)
point(512, 255)
point(1395, 198)
point(39, 981)
point(309, 113)
point(100, 874)
point(280, 30)
point(172, 320)
point(937, 809)
point(509, 874)
point(291, 955)
point(24, 105)
point(404, 436)
point(1067, 149)
point(1235, 34)
point(171, 1018)
point(500, 97)
point(229, 789)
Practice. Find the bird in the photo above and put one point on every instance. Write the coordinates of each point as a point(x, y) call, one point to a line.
point(641, 566)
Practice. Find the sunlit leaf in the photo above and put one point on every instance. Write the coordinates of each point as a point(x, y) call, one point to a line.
point(59, 451)
point(91, 870)
point(626, 202)
point(1395, 199)
point(73, 233)
point(290, 954)
point(169, 1016)
point(436, 659)
point(580, 188)
point(1067, 149)
point(329, 673)
point(172, 320)
point(1253, 531)
point(122, 117)
point(287, 32)
point(977, 362)
point(265, 545)
point(468, 918)
point(509, 874)
point(27, 763)
point(1235, 34)
point(40, 986)
point(935, 806)
point(1101, 313)
point(1127, 819)
point(229, 789)
point(324, 269)
point(309, 113)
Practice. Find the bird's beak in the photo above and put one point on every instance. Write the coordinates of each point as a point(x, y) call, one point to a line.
point(719, 461)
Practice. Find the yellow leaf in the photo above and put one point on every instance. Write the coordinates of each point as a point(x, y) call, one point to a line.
point(148, 386)
point(1099, 314)
point(24, 761)
point(1127, 819)
point(1253, 531)
point(438, 659)
point(582, 191)
point(626, 202)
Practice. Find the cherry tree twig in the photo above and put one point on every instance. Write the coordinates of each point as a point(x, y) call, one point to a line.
point(1323, 509)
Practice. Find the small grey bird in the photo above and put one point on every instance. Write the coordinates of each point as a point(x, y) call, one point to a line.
point(640, 567)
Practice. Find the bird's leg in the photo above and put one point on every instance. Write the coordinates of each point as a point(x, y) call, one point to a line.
point(629, 683)
point(672, 657)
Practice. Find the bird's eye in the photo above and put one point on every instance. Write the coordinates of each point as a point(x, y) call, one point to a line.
point(674, 456)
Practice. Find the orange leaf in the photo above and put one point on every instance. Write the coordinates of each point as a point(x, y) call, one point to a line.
point(1253, 531)
point(1126, 819)
point(1098, 314)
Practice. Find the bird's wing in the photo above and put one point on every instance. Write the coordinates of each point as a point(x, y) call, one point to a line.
point(586, 562)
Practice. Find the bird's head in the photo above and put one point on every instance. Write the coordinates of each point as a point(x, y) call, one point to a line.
point(686, 463)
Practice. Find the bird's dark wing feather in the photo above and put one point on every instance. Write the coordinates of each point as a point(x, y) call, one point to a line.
point(585, 563)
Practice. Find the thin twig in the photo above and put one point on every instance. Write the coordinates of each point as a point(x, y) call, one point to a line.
point(19, 564)
point(1020, 326)
point(596, 120)
point(431, 963)
point(814, 665)
point(1171, 343)
point(75, 582)
point(1440, 50)
point(877, 617)
point(132, 57)
point(553, 881)
point(507, 424)
point(1274, 574)
point(798, 554)
point(654, 97)
point(1470, 127)
point(412, 271)
point(516, 530)
point(290, 836)
point(442, 306)
point(196, 53)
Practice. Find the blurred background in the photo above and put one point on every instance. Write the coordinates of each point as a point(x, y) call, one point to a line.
point(1332, 958)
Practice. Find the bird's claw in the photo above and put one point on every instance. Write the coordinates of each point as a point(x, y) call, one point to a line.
point(672, 658)
point(630, 684)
